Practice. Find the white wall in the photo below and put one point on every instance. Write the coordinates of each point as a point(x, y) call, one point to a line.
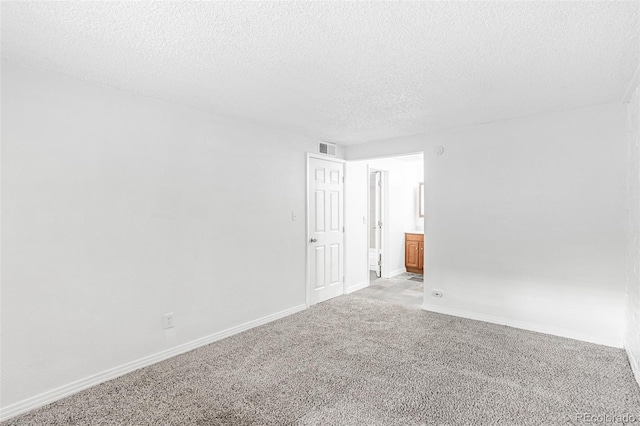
point(525, 220)
point(117, 209)
point(632, 338)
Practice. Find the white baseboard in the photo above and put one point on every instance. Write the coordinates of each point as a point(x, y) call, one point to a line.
point(525, 325)
point(356, 287)
point(93, 380)
point(633, 84)
point(396, 272)
point(635, 367)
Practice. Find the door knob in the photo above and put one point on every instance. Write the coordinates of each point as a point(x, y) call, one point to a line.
point(313, 240)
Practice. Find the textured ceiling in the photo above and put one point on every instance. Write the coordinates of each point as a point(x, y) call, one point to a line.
point(345, 72)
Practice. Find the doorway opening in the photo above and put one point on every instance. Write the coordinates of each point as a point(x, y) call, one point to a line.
point(395, 229)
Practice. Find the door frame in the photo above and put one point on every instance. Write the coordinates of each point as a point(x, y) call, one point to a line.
point(385, 182)
point(309, 156)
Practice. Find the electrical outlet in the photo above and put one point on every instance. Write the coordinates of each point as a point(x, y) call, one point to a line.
point(167, 320)
point(436, 293)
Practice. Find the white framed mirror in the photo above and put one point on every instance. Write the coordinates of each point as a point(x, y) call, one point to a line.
point(421, 199)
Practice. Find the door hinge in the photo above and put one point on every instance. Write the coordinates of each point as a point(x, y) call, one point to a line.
point(343, 229)
point(379, 183)
point(342, 179)
point(380, 223)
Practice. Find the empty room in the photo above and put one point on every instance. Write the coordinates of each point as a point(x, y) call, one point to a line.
point(319, 213)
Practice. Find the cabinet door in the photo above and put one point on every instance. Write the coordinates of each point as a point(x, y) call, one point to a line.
point(412, 254)
point(421, 255)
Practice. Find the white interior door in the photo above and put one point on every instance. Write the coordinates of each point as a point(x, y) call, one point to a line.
point(326, 235)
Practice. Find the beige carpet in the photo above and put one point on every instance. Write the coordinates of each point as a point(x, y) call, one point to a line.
point(355, 361)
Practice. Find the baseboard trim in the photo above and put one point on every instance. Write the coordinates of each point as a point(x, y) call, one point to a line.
point(356, 287)
point(525, 325)
point(396, 272)
point(93, 380)
point(633, 84)
point(635, 367)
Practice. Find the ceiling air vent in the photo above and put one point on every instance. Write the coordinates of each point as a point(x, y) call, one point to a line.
point(327, 148)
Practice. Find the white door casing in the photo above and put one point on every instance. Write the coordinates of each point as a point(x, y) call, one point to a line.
point(375, 222)
point(325, 233)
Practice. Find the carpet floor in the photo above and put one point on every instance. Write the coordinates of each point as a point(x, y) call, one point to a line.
point(357, 361)
point(404, 289)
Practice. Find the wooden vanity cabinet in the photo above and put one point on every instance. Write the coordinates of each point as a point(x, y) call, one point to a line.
point(414, 253)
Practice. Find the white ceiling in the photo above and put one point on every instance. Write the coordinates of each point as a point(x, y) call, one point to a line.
point(345, 72)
